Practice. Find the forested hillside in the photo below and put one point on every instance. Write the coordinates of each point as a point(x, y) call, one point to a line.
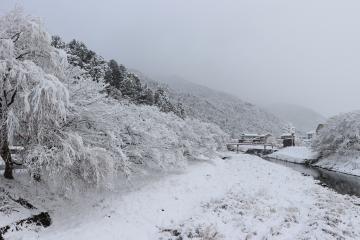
point(232, 114)
point(181, 97)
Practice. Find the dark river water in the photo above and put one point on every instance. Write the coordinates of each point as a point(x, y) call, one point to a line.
point(341, 183)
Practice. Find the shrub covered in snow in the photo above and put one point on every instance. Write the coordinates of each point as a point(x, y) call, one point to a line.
point(341, 134)
point(104, 138)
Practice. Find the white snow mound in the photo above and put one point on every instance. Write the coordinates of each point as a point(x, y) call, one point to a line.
point(295, 154)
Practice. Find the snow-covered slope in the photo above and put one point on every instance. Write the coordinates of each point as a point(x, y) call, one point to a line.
point(302, 118)
point(229, 112)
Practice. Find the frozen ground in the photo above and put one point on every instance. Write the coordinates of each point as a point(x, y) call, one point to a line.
point(295, 154)
point(243, 197)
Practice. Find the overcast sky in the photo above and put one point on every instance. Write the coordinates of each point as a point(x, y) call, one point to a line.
point(305, 52)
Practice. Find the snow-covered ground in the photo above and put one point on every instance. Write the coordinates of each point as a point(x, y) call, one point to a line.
point(295, 154)
point(341, 163)
point(243, 197)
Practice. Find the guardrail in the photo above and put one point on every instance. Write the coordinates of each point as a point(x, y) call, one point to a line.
point(251, 144)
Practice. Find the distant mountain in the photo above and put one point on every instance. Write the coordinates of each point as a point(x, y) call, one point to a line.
point(302, 118)
point(233, 115)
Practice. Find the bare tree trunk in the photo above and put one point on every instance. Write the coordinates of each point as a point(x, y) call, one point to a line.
point(6, 154)
point(5, 103)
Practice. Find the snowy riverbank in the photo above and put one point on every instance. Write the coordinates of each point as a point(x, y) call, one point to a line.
point(335, 162)
point(343, 164)
point(243, 197)
point(295, 155)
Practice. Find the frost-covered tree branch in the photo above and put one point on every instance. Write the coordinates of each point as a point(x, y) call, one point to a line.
point(31, 99)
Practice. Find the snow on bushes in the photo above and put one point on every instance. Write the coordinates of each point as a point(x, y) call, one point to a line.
point(128, 137)
point(341, 134)
point(338, 143)
point(145, 135)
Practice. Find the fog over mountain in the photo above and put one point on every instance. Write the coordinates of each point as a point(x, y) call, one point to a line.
point(304, 119)
point(299, 52)
point(91, 149)
point(232, 114)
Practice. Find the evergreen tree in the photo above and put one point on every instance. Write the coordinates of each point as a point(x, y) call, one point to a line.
point(57, 42)
point(115, 74)
point(80, 55)
point(146, 97)
point(121, 83)
point(131, 87)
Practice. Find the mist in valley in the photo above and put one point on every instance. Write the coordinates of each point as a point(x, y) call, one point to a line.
point(265, 52)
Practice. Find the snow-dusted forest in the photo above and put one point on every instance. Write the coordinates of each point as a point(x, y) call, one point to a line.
point(93, 150)
point(232, 114)
point(84, 121)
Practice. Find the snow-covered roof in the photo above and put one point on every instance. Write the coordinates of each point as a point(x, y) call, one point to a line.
point(250, 135)
point(286, 135)
point(255, 135)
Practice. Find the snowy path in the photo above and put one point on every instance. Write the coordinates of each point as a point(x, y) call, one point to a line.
point(241, 198)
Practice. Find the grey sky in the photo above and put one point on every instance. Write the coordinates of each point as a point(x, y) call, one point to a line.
point(305, 52)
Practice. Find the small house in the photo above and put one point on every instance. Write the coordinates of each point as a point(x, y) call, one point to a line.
point(254, 138)
point(288, 139)
point(310, 135)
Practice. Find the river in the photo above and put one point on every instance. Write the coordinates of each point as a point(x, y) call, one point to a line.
point(340, 182)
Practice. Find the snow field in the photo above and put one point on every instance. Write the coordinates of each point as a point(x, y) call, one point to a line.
point(241, 198)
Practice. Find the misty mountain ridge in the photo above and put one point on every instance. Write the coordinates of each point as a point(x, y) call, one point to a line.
point(302, 118)
point(232, 114)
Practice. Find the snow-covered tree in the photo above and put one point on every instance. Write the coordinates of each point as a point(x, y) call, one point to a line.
point(341, 135)
point(115, 74)
point(32, 101)
point(75, 135)
point(146, 97)
point(122, 84)
point(57, 42)
point(79, 55)
point(161, 99)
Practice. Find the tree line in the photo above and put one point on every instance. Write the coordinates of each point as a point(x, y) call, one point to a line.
point(121, 83)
